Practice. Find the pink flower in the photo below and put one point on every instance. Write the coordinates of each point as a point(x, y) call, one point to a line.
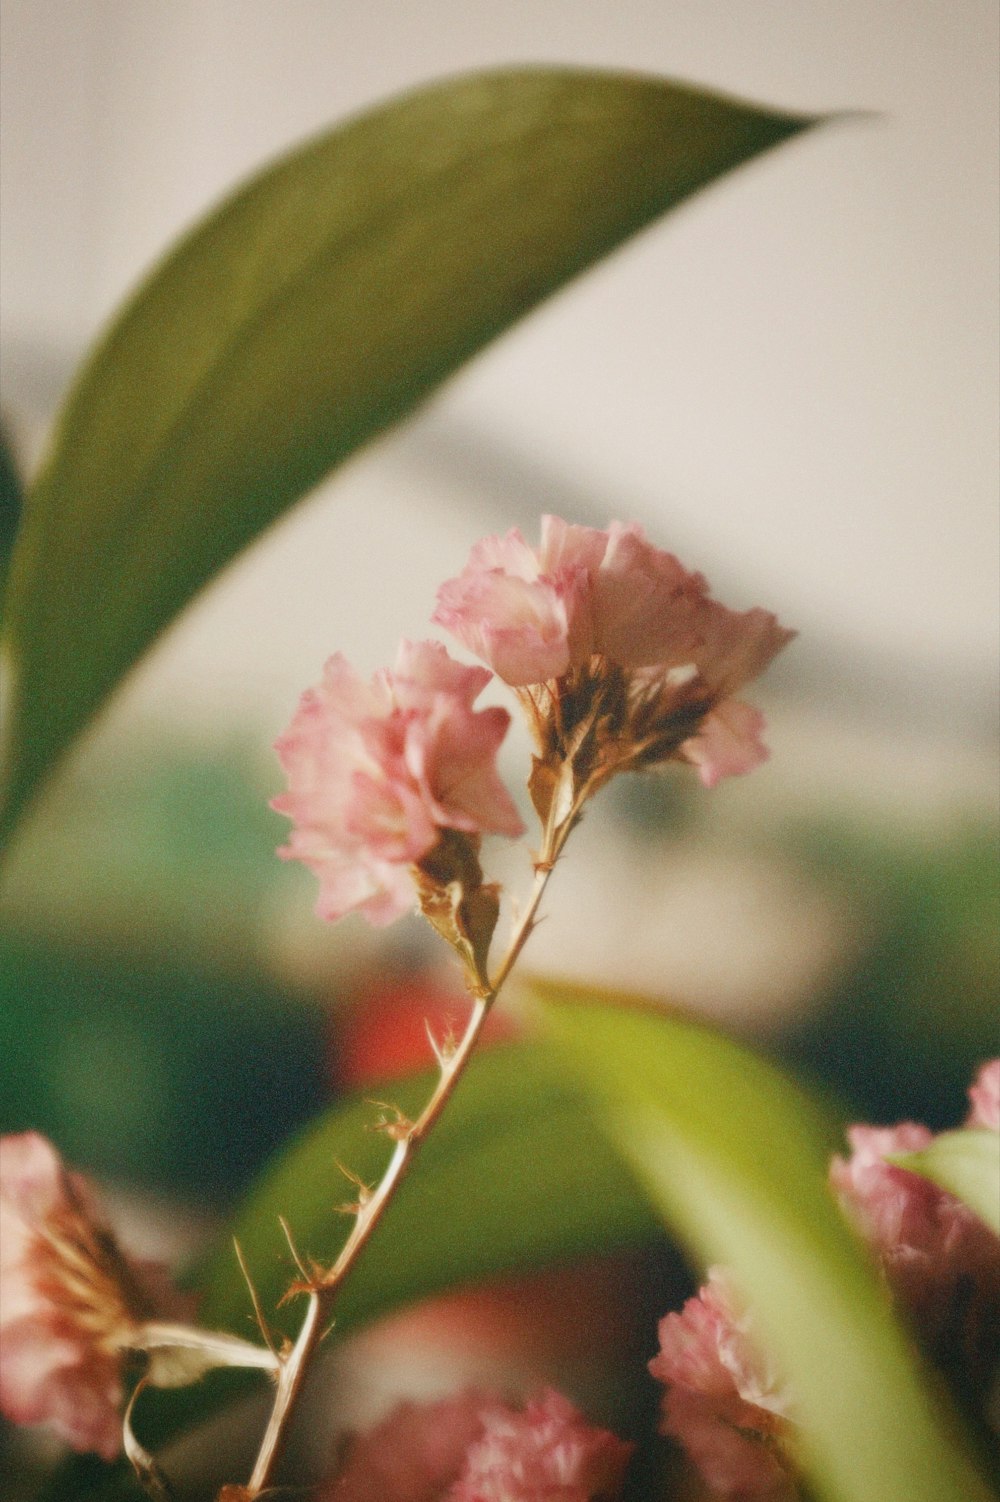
point(984, 1095)
point(603, 627)
point(527, 614)
point(728, 742)
point(723, 1402)
point(545, 1454)
point(476, 1449)
point(70, 1302)
point(535, 615)
point(377, 770)
point(412, 1456)
point(940, 1260)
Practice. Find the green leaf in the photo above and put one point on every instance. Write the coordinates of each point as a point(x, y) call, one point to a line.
point(317, 306)
point(10, 507)
point(515, 1175)
point(967, 1164)
point(736, 1159)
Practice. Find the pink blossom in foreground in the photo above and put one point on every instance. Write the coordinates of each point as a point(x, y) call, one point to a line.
point(984, 1098)
point(545, 1454)
point(70, 1302)
point(588, 604)
point(477, 1449)
point(723, 1402)
point(413, 1455)
point(728, 743)
point(377, 770)
point(940, 1260)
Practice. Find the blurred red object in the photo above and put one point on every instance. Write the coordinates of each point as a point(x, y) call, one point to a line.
point(382, 1032)
point(519, 1331)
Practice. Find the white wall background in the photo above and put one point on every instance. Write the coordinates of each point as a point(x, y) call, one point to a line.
point(794, 382)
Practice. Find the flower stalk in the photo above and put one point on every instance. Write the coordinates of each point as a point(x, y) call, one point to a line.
point(620, 661)
point(322, 1287)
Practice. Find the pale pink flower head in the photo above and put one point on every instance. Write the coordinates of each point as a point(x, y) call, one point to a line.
point(984, 1098)
point(71, 1303)
point(547, 1453)
point(413, 1455)
point(606, 636)
point(506, 610)
point(534, 615)
point(940, 1260)
point(729, 742)
point(476, 1449)
point(724, 1403)
point(376, 771)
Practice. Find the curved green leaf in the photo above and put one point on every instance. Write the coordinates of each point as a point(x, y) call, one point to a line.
point(515, 1175)
point(967, 1164)
point(10, 507)
point(314, 308)
point(736, 1158)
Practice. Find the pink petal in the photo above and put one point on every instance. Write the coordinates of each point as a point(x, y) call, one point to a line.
point(376, 771)
point(412, 1455)
point(723, 1403)
point(548, 1453)
point(984, 1096)
point(643, 602)
point(728, 742)
point(519, 627)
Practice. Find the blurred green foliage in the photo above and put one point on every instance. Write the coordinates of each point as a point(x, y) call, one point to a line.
point(903, 1024)
point(140, 1025)
point(154, 1070)
point(734, 1156)
point(10, 506)
point(317, 305)
point(147, 1026)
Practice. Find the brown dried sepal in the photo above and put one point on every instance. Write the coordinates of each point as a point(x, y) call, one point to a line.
point(542, 784)
point(457, 902)
point(601, 719)
point(579, 723)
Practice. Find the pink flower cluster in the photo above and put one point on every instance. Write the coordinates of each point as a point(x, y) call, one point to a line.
point(377, 770)
point(586, 601)
point(601, 634)
point(725, 1405)
point(940, 1260)
point(984, 1098)
point(723, 1402)
point(70, 1302)
point(477, 1449)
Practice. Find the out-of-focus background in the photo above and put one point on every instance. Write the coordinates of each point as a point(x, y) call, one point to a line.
point(792, 383)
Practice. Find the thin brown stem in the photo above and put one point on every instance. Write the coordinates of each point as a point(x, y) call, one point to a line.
point(324, 1288)
point(290, 1378)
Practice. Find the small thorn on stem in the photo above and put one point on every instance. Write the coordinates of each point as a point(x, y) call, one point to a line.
point(444, 1050)
point(365, 1191)
point(262, 1324)
point(393, 1124)
point(286, 1228)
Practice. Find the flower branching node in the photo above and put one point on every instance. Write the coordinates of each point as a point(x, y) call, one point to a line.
point(364, 1195)
point(443, 1048)
point(393, 1123)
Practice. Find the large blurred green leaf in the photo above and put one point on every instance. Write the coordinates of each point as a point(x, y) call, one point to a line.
point(967, 1164)
point(10, 507)
point(736, 1159)
point(515, 1175)
point(314, 308)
